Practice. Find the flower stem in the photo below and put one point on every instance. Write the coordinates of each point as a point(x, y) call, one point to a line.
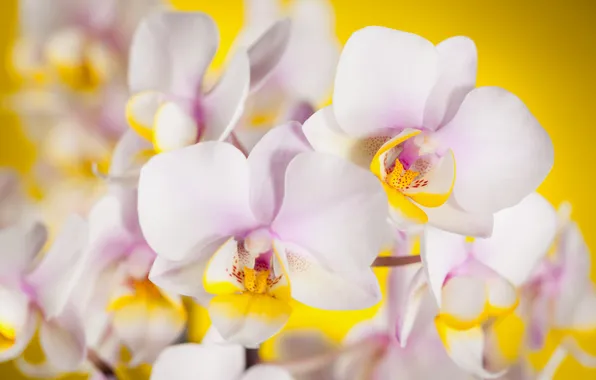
point(102, 366)
point(395, 261)
point(252, 357)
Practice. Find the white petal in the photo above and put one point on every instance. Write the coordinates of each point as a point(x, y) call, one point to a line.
point(199, 361)
point(522, 235)
point(458, 61)
point(322, 288)
point(248, 319)
point(466, 348)
point(308, 67)
point(265, 53)
point(23, 338)
point(266, 372)
point(63, 340)
point(20, 244)
point(125, 159)
point(383, 80)
point(575, 260)
point(224, 104)
point(181, 277)
point(174, 128)
point(59, 272)
point(326, 136)
point(193, 197)
point(343, 223)
point(441, 252)
point(141, 109)
point(463, 298)
point(170, 53)
point(146, 328)
point(268, 162)
point(502, 152)
point(450, 217)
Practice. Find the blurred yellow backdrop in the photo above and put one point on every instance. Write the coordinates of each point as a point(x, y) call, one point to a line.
point(545, 52)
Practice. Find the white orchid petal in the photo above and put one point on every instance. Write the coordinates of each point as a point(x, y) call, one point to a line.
point(320, 287)
point(326, 136)
point(57, 275)
point(450, 217)
point(25, 332)
point(268, 162)
point(174, 128)
point(20, 244)
point(199, 361)
point(224, 104)
point(170, 53)
point(63, 340)
point(344, 222)
point(502, 152)
point(193, 197)
point(522, 234)
point(441, 252)
point(266, 372)
point(265, 53)
point(383, 80)
point(458, 61)
point(248, 319)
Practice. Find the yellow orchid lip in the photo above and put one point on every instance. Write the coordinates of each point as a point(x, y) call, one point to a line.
point(413, 175)
point(143, 290)
point(8, 336)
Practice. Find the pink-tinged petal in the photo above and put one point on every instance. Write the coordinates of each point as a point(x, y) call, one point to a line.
point(406, 290)
point(268, 162)
point(63, 340)
point(452, 218)
point(383, 80)
point(224, 104)
point(259, 14)
point(502, 152)
point(522, 235)
point(326, 136)
point(265, 53)
point(315, 285)
point(308, 67)
point(57, 275)
point(170, 53)
point(248, 319)
point(458, 62)
point(105, 219)
point(184, 277)
point(575, 257)
point(20, 244)
point(344, 223)
point(266, 372)
point(192, 197)
point(441, 252)
point(27, 328)
point(466, 348)
point(200, 361)
point(127, 158)
point(147, 326)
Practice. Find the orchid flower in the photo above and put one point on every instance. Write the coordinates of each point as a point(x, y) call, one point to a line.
point(15, 206)
point(118, 300)
point(561, 295)
point(201, 361)
point(170, 105)
point(408, 110)
point(244, 236)
point(81, 42)
point(34, 290)
point(400, 341)
point(303, 79)
point(475, 281)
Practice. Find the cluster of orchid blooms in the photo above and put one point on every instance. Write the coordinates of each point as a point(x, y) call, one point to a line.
point(239, 191)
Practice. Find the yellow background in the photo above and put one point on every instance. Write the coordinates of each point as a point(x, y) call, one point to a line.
point(545, 52)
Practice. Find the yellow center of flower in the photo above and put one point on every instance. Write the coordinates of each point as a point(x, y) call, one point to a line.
point(7, 336)
point(256, 281)
point(399, 178)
